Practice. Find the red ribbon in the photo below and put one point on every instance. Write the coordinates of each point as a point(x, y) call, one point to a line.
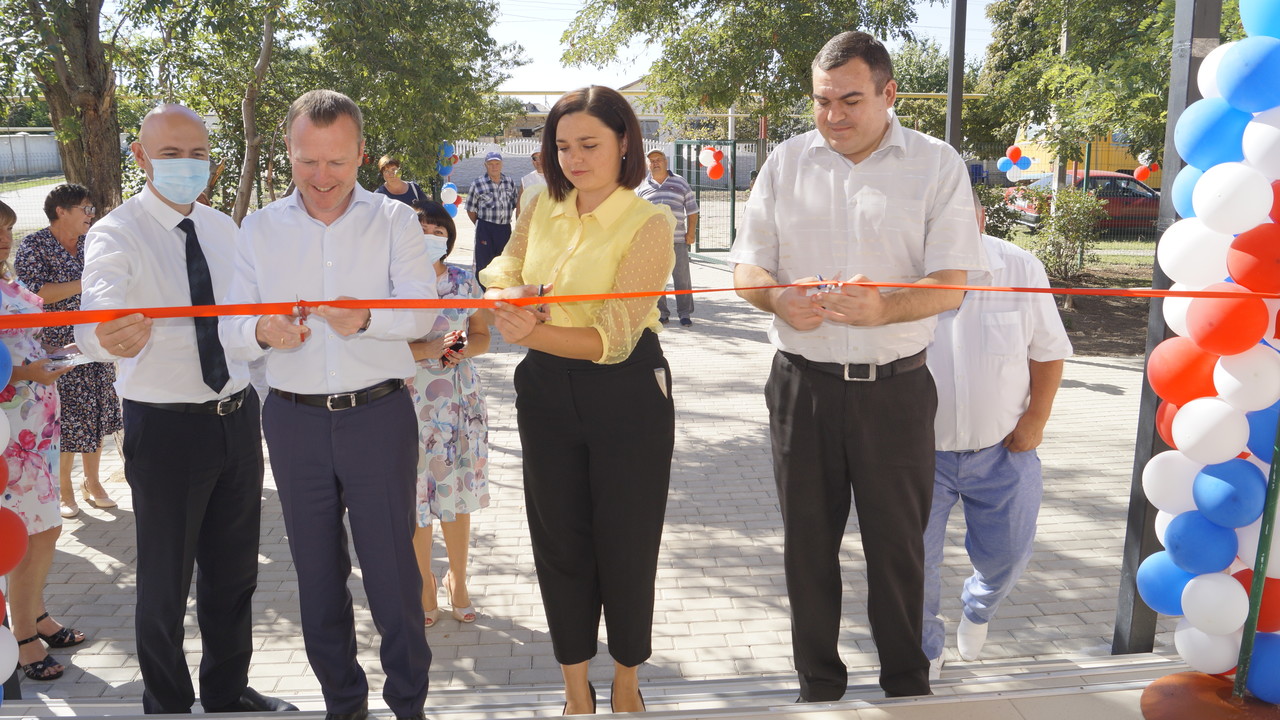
point(81, 317)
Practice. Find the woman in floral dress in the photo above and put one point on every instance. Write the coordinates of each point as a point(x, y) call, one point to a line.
point(49, 262)
point(30, 405)
point(453, 425)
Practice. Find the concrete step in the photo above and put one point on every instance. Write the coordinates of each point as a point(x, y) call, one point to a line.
point(1096, 688)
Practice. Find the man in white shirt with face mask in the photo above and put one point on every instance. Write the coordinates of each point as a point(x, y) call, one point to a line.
point(192, 444)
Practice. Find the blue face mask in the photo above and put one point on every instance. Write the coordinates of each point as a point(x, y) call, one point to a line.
point(437, 247)
point(179, 180)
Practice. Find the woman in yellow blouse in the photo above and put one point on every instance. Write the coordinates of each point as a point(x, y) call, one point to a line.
point(593, 394)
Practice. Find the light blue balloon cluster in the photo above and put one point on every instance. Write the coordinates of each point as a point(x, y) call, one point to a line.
point(1004, 164)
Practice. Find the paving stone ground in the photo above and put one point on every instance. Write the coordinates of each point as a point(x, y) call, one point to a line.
point(721, 602)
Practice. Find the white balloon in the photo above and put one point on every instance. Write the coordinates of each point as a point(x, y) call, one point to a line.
point(8, 648)
point(707, 157)
point(1210, 654)
point(5, 432)
point(1167, 480)
point(1014, 174)
point(1249, 381)
point(1262, 143)
point(1207, 77)
point(1235, 567)
point(1232, 197)
point(1248, 537)
point(1175, 310)
point(1192, 254)
point(448, 195)
point(1210, 430)
point(1215, 603)
point(1162, 524)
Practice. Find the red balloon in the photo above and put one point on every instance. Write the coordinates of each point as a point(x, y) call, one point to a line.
point(1269, 613)
point(457, 200)
point(718, 155)
point(13, 540)
point(1179, 371)
point(1155, 167)
point(2, 607)
point(1014, 153)
point(1142, 173)
point(1227, 326)
point(454, 159)
point(1254, 258)
point(1275, 204)
point(715, 172)
point(1164, 422)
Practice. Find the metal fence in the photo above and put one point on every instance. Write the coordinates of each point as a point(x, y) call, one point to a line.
point(26, 177)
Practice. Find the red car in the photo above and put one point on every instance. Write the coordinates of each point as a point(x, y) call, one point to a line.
point(1130, 204)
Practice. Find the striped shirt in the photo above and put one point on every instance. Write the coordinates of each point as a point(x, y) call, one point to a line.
point(676, 194)
point(492, 201)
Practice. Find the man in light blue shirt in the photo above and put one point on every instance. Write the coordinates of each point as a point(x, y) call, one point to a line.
point(662, 186)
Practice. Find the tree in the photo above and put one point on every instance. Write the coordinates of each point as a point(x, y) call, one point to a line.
point(753, 55)
point(58, 44)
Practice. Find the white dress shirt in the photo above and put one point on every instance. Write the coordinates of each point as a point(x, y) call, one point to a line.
point(136, 257)
point(532, 179)
point(375, 250)
point(902, 213)
point(980, 351)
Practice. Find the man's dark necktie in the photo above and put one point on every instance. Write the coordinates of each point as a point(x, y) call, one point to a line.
point(213, 361)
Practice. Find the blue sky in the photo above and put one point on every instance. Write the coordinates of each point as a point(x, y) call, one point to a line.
point(538, 24)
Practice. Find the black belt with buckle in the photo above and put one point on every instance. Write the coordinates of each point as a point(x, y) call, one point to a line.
point(855, 372)
point(225, 406)
point(343, 401)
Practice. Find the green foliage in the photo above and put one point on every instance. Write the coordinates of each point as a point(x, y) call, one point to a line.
point(753, 55)
point(1065, 242)
point(27, 113)
point(1001, 218)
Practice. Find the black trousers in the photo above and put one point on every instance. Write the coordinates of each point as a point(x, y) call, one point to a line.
point(196, 482)
point(597, 443)
point(360, 462)
point(834, 440)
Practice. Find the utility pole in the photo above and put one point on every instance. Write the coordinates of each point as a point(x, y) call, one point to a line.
point(955, 73)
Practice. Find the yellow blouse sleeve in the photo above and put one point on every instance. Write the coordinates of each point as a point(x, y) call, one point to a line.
point(644, 268)
point(507, 270)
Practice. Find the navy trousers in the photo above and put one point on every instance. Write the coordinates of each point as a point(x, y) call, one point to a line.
point(360, 462)
point(491, 240)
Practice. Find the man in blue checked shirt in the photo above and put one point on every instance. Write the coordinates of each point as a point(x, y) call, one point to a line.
point(661, 186)
point(489, 205)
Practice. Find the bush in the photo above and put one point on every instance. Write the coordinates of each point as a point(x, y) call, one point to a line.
point(1000, 216)
point(1066, 240)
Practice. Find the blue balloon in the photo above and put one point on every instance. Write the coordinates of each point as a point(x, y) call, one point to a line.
point(1209, 132)
point(449, 186)
point(1230, 494)
point(446, 149)
point(451, 209)
point(1160, 583)
point(1262, 432)
point(1004, 164)
point(1198, 546)
point(6, 367)
point(1024, 163)
point(1260, 17)
point(1264, 668)
point(1183, 184)
point(444, 170)
point(1247, 74)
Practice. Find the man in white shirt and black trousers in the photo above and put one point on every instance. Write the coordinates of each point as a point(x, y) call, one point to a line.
point(851, 404)
point(192, 443)
point(339, 422)
point(997, 362)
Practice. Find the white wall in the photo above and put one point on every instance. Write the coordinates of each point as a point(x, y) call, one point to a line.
point(24, 154)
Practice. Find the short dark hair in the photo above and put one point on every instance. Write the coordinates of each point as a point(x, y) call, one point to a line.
point(7, 215)
point(66, 195)
point(434, 213)
point(609, 107)
point(856, 45)
point(323, 107)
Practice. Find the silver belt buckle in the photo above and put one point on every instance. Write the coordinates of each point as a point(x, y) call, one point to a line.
point(351, 397)
point(871, 373)
point(226, 406)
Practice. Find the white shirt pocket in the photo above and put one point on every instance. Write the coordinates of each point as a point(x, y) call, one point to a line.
point(1003, 333)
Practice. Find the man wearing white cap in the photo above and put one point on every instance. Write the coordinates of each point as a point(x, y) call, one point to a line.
point(663, 186)
point(489, 205)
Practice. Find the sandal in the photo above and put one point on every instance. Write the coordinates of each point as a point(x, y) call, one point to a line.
point(465, 614)
point(40, 669)
point(63, 638)
point(432, 616)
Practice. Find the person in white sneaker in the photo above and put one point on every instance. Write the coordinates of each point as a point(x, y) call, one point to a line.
point(997, 362)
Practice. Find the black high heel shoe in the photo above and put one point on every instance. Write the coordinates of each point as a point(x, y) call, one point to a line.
point(590, 687)
point(642, 705)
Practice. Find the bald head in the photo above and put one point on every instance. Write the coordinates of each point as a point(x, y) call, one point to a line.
point(170, 132)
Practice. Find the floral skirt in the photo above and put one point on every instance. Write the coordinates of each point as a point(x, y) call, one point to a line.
point(453, 442)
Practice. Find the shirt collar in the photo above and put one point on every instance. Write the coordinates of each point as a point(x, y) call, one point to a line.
point(607, 213)
point(156, 208)
point(893, 138)
point(358, 195)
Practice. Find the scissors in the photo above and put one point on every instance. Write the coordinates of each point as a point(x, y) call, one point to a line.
point(301, 311)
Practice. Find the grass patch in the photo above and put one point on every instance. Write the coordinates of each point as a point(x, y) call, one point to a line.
point(28, 182)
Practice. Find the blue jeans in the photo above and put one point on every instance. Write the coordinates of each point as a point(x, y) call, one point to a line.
point(680, 275)
point(1001, 491)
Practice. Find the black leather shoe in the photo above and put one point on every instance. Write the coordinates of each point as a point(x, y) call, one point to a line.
point(361, 714)
point(253, 701)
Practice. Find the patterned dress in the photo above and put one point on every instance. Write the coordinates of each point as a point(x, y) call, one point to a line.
point(90, 408)
point(453, 426)
point(31, 448)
